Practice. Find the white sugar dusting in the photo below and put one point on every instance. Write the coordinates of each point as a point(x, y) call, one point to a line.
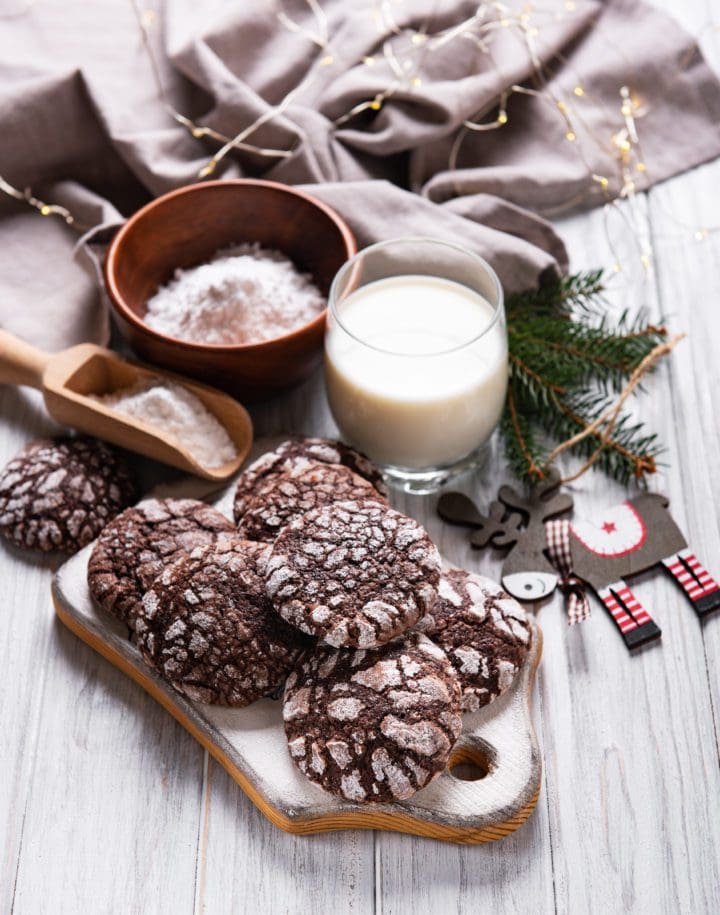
point(506, 674)
point(422, 737)
point(245, 294)
point(469, 660)
point(339, 751)
point(380, 676)
point(178, 414)
point(345, 709)
point(351, 787)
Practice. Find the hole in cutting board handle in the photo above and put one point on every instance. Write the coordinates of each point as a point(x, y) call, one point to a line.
point(469, 764)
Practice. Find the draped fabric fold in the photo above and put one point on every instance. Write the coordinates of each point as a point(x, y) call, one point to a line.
point(371, 105)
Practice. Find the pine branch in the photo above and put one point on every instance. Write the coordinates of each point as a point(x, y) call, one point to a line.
point(566, 361)
point(525, 456)
point(579, 290)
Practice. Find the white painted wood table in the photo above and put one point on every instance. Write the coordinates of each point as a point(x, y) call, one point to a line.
point(108, 805)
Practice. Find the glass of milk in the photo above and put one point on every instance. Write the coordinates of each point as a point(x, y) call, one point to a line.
point(416, 358)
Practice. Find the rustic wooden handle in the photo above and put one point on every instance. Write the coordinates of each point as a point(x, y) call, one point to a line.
point(21, 363)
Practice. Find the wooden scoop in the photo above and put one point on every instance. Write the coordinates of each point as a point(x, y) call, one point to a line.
point(67, 378)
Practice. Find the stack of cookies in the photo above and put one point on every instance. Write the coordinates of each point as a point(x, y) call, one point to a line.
point(320, 587)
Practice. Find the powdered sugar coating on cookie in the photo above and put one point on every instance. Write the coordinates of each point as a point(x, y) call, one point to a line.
point(303, 485)
point(290, 453)
point(353, 573)
point(373, 726)
point(134, 548)
point(208, 627)
point(58, 494)
point(484, 631)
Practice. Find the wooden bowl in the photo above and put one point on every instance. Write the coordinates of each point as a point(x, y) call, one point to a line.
point(185, 228)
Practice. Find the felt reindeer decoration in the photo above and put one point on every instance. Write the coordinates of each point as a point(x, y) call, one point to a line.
point(624, 541)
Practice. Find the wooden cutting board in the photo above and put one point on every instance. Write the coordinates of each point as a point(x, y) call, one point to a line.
point(490, 788)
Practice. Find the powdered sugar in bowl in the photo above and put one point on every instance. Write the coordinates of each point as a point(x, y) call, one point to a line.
point(176, 271)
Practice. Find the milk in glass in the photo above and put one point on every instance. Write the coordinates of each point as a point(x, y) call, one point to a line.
point(416, 370)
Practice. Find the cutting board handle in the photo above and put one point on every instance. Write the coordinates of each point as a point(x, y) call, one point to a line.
point(21, 363)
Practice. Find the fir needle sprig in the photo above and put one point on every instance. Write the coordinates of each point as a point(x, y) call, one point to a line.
point(571, 372)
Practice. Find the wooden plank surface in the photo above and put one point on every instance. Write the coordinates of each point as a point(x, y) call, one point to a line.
point(107, 805)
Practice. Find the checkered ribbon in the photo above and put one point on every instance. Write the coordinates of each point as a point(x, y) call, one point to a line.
point(557, 535)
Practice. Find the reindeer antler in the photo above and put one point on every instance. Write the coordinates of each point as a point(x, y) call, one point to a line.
point(457, 508)
point(544, 501)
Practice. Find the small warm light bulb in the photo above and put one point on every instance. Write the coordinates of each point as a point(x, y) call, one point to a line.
point(327, 60)
point(570, 5)
point(570, 136)
point(198, 132)
point(208, 169)
point(641, 167)
point(504, 23)
point(419, 38)
point(701, 234)
point(646, 261)
point(579, 91)
point(502, 118)
point(416, 81)
point(601, 180)
point(45, 210)
point(561, 106)
point(376, 104)
point(616, 268)
point(369, 61)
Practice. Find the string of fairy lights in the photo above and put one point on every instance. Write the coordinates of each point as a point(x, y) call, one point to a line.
point(405, 51)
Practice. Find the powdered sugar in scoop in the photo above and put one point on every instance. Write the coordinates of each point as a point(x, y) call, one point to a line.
point(245, 294)
point(178, 414)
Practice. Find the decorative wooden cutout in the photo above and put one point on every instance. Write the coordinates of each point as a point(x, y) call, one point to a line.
point(626, 540)
point(527, 572)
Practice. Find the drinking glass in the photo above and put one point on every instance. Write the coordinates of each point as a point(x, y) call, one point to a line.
point(416, 358)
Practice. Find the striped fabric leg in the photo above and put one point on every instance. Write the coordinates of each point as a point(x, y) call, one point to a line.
point(623, 621)
point(695, 580)
point(632, 604)
point(632, 619)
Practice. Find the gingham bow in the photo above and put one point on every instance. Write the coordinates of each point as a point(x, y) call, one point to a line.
point(557, 535)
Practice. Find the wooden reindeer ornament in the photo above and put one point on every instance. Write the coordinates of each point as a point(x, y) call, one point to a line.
point(625, 540)
point(517, 522)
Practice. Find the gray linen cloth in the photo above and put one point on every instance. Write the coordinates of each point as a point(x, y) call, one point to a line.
point(84, 124)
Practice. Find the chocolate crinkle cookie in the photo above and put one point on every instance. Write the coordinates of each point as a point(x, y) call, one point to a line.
point(208, 627)
point(296, 451)
point(303, 485)
point(134, 548)
point(484, 632)
point(373, 725)
point(353, 573)
point(58, 494)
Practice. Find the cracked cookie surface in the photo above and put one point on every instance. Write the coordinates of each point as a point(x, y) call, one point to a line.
point(208, 626)
point(373, 726)
point(296, 451)
point(354, 574)
point(137, 545)
point(302, 486)
point(483, 630)
point(58, 494)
